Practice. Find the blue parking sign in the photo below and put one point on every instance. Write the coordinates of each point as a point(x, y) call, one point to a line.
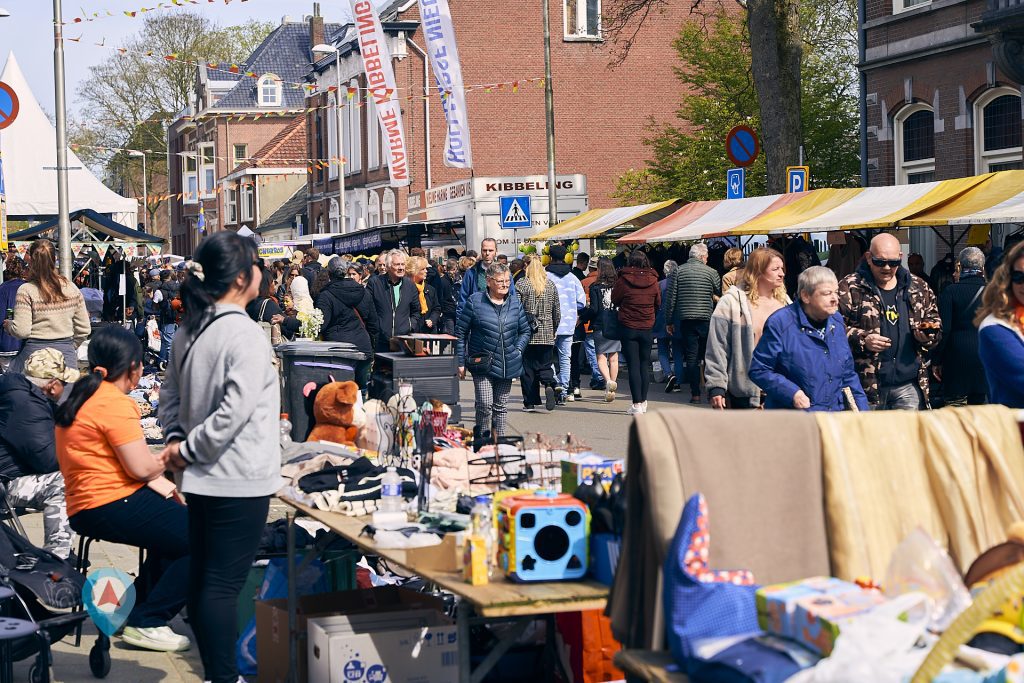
point(796, 178)
point(735, 183)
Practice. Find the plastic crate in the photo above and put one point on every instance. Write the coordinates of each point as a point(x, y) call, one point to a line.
point(317, 362)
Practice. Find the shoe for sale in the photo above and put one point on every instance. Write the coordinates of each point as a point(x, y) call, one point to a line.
point(635, 409)
point(609, 392)
point(549, 398)
point(671, 384)
point(157, 638)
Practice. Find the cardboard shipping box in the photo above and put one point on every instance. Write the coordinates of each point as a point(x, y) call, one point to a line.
point(418, 646)
point(272, 622)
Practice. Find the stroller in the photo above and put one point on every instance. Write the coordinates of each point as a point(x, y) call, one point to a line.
point(47, 592)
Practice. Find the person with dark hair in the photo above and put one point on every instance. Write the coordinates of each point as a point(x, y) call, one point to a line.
point(446, 295)
point(14, 278)
point(49, 311)
point(607, 349)
point(321, 281)
point(582, 261)
point(167, 300)
point(264, 309)
point(220, 406)
point(115, 487)
point(311, 266)
point(349, 315)
point(637, 296)
point(690, 301)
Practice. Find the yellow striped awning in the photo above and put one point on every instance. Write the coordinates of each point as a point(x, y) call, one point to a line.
point(1000, 199)
point(597, 222)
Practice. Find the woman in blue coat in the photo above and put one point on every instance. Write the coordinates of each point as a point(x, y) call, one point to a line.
point(493, 332)
point(803, 360)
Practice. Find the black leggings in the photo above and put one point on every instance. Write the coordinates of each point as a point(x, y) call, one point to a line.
point(636, 346)
point(224, 535)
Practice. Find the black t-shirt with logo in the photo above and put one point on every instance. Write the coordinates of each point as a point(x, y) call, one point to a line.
point(898, 363)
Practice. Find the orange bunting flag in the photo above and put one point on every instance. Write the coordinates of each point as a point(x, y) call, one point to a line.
point(129, 14)
point(351, 93)
point(233, 69)
point(515, 86)
point(170, 57)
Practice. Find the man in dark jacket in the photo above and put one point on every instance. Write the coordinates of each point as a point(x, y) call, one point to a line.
point(311, 266)
point(475, 279)
point(28, 454)
point(689, 303)
point(956, 361)
point(349, 315)
point(396, 301)
point(892, 322)
point(446, 297)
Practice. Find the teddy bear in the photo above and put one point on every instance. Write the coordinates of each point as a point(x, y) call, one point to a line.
point(339, 414)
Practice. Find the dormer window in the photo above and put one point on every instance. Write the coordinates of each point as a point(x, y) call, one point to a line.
point(269, 89)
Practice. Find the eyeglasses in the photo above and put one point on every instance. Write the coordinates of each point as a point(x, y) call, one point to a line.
point(502, 283)
point(1017, 277)
point(886, 263)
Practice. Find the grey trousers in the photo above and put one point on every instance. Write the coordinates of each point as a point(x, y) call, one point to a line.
point(900, 397)
point(45, 492)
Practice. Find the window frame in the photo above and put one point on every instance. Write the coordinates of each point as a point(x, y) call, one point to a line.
point(900, 6)
point(354, 137)
point(190, 178)
point(984, 160)
point(373, 212)
point(582, 31)
point(389, 194)
point(239, 160)
point(247, 198)
point(207, 169)
point(230, 205)
point(333, 216)
point(906, 169)
point(265, 81)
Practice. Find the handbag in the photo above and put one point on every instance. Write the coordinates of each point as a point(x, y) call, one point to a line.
point(479, 363)
point(610, 327)
point(273, 331)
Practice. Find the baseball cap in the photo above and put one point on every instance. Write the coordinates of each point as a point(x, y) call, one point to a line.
point(48, 364)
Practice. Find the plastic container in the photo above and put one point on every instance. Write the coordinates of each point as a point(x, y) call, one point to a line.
point(391, 492)
point(318, 363)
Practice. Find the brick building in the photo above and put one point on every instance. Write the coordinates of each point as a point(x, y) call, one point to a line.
point(601, 110)
point(238, 151)
point(935, 102)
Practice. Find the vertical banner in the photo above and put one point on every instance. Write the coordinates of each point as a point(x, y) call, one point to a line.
point(380, 79)
point(3, 208)
point(444, 58)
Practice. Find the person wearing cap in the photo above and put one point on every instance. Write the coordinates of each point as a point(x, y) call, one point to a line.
point(28, 452)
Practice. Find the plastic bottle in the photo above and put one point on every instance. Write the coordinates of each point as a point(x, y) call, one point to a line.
point(481, 524)
point(286, 434)
point(391, 492)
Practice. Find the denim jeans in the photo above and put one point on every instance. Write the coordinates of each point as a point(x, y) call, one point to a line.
point(563, 360)
point(900, 397)
point(166, 337)
point(665, 356)
point(147, 520)
point(591, 351)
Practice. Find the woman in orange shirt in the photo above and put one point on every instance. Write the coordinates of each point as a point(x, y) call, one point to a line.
point(115, 488)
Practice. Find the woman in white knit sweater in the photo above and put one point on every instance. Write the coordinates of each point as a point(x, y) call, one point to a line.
point(49, 311)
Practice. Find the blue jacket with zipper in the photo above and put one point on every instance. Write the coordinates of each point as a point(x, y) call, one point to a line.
point(794, 355)
point(501, 331)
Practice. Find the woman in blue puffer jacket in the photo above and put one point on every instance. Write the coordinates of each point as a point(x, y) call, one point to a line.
point(493, 332)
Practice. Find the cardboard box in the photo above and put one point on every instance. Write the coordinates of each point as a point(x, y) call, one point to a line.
point(272, 622)
point(813, 611)
point(446, 557)
point(419, 646)
point(574, 472)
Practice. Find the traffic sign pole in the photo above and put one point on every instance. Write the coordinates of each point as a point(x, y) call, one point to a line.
point(63, 220)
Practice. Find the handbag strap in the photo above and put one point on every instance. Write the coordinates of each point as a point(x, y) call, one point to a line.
point(263, 309)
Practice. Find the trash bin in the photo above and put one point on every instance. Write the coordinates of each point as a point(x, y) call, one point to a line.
point(304, 362)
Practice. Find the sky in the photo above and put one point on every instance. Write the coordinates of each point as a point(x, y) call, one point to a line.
point(28, 32)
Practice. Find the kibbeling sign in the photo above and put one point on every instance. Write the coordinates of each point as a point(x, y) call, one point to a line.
point(380, 79)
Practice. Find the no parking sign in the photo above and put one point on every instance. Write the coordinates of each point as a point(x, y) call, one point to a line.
point(8, 105)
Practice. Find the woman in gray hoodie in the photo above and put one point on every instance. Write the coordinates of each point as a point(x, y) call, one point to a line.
point(220, 407)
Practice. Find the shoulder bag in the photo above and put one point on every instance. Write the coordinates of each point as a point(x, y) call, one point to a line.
point(272, 330)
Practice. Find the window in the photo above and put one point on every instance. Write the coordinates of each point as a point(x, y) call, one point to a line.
point(915, 145)
point(269, 90)
point(241, 154)
point(333, 215)
point(353, 134)
point(997, 131)
point(583, 19)
point(248, 201)
point(231, 204)
point(388, 207)
point(332, 135)
point(189, 180)
point(372, 209)
point(207, 170)
point(903, 5)
point(372, 138)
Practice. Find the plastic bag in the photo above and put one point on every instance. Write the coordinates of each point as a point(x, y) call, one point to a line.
point(920, 565)
point(877, 646)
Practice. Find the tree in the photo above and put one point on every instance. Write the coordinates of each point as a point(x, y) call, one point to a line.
point(130, 94)
point(776, 52)
point(688, 159)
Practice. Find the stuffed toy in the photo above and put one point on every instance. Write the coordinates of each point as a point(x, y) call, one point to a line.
point(1004, 631)
point(339, 414)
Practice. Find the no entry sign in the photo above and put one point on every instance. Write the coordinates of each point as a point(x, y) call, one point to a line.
point(8, 105)
point(742, 145)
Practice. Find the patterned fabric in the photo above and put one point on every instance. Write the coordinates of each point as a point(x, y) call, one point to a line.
point(860, 302)
point(492, 403)
point(36, 319)
point(45, 492)
point(571, 297)
point(545, 308)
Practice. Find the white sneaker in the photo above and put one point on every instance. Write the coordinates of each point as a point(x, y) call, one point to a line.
point(635, 409)
point(157, 638)
point(643, 407)
point(609, 392)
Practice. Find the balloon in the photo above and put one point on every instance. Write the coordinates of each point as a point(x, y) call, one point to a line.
point(545, 259)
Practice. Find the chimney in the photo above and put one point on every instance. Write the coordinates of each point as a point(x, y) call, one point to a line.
point(316, 26)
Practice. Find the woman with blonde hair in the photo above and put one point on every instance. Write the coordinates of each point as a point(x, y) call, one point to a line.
point(430, 304)
point(49, 311)
point(539, 297)
point(733, 264)
point(1000, 322)
point(736, 327)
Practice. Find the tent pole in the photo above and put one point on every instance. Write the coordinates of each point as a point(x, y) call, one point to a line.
point(63, 222)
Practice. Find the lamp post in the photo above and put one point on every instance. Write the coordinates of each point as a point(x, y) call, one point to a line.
point(145, 187)
point(549, 118)
point(323, 47)
point(63, 221)
point(4, 13)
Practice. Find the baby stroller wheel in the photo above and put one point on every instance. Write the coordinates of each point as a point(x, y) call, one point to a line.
point(99, 658)
point(39, 674)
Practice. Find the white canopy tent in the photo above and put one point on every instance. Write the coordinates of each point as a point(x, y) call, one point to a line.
point(29, 148)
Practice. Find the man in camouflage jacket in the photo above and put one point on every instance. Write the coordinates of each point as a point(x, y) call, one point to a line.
point(892, 321)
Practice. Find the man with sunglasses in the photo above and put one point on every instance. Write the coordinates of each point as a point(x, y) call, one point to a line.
point(892, 322)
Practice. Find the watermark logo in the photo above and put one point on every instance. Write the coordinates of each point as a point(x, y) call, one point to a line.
point(109, 596)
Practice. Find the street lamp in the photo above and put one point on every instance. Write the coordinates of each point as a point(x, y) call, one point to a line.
point(324, 47)
point(145, 188)
point(4, 13)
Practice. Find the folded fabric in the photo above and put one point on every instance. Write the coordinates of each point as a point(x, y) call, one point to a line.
point(331, 501)
point(307, 458)
point(357, 480)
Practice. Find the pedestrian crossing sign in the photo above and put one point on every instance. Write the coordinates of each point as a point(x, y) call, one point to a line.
point(515, 212)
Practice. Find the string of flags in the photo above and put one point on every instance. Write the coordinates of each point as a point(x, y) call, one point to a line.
point(103, 14)
point(313, 163)
point(194, 197)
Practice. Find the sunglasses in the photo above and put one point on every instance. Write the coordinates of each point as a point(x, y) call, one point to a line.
point(1017, 277)
point(886, 263)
